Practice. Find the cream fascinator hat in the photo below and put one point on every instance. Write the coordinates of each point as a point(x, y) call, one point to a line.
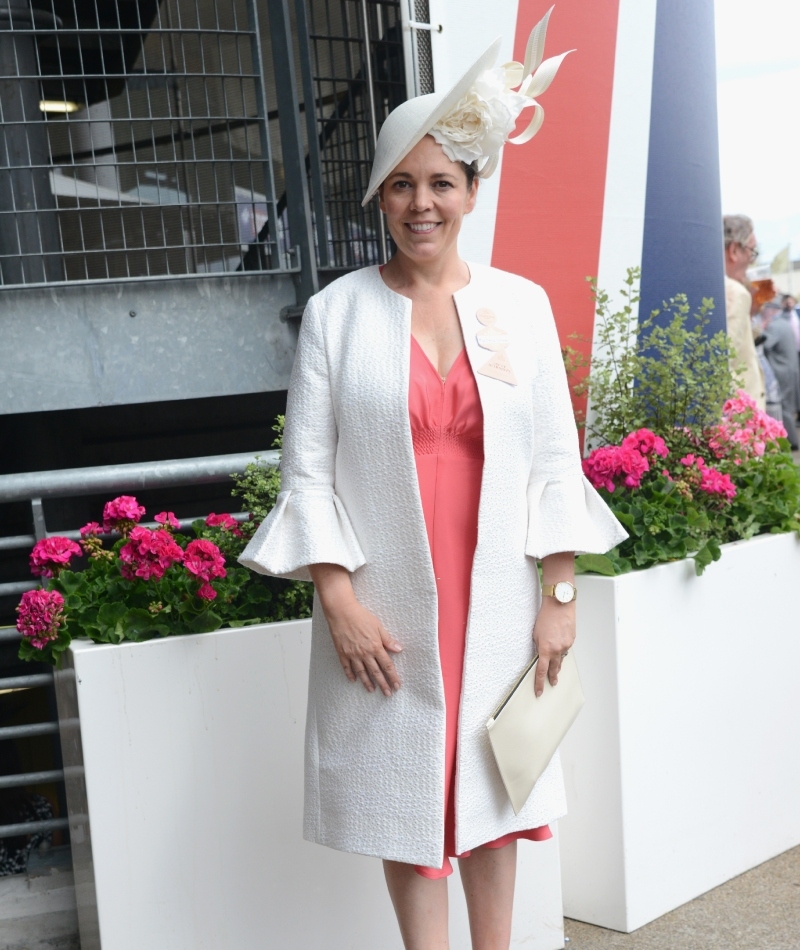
point(473, 121)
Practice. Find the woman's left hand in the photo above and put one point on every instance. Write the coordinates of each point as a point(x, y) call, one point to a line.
point(553, 634)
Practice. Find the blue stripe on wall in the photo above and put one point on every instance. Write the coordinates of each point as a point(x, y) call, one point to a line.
point(682, 245)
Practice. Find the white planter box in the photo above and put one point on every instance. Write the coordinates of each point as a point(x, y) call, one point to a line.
point(683, 769)
point(191, 751)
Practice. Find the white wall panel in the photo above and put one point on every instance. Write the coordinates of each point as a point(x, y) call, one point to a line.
point(628, 145)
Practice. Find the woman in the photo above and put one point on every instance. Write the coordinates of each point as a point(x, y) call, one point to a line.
point(430, 459)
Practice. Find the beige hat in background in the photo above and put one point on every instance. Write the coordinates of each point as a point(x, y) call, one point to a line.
point(475, 118)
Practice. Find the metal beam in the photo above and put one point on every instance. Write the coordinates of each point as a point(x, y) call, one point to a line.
point(298, 205)
point(33, 827)
point(72, 482)
point(312, 132)
point(31, 778)
point(29, 729)
point(26, 682)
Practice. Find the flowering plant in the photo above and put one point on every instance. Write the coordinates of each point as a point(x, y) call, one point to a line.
point(684, 460)
point(153, 580)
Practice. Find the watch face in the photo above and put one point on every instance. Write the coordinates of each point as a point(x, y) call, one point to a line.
point(564, 592)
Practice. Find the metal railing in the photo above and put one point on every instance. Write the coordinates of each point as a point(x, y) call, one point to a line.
point(75, 482)
point(36, 486)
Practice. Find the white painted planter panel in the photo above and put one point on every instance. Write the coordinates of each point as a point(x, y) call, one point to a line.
point(683, 769)
point(193, 757)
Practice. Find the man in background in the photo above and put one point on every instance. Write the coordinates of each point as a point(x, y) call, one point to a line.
point(741, 251)
point(780, 348)
point(789, 304)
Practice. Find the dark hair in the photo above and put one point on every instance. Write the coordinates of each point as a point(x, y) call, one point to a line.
point(471, 172)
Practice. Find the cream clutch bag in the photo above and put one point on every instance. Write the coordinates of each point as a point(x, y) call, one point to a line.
point(525, 731)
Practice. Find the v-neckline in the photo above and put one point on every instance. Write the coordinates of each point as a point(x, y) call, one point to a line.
point(429, 361)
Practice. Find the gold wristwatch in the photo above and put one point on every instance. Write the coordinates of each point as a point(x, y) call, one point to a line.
point(563, 591)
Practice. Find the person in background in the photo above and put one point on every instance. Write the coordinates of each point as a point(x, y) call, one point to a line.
point(789, 305)
point(781, 351)
point(741, 251)
point(771, 386)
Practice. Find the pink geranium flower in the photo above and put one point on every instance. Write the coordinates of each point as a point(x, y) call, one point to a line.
point(609, 465)
point(601, 467)
point(745, 430)
point(646, 442)
point(206, 592)
point(39, 616)
point(224, 521)
point(708, 479)
point(149, 554)
point(122, 514)
point(168, 519)
point(51, 555)
point(632, 465)
point(91, 530)
point(204, 560)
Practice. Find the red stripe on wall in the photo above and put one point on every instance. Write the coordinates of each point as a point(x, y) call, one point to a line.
point(550, 209)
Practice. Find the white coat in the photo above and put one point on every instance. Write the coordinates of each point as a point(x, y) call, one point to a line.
point(375, 765)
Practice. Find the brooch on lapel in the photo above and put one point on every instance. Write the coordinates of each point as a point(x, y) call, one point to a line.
point(491, 337)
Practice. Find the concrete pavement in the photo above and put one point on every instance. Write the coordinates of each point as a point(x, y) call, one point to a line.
point(759, 910)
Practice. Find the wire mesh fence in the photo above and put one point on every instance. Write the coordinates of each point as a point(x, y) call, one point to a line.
point(134, 140)
point(137, 140)
point(353, 93)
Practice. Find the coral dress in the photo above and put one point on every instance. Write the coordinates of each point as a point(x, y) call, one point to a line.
point(447, 431)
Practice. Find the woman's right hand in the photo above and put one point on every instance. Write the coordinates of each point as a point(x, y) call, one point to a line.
point(361, 641)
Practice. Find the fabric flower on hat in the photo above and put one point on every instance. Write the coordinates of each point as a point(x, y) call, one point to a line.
point(481, 122)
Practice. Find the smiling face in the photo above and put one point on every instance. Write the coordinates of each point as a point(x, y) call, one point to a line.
point(425, 199)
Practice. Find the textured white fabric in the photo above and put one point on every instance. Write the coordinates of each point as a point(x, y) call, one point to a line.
point(309, 526)
point(375, 766)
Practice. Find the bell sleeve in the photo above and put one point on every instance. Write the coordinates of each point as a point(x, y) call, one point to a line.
point(565, 513)
point(309, 523)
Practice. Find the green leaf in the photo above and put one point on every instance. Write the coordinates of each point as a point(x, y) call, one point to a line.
point(139, 624)
point(205, 622)
point(68, 582)
point(595, 564)
point(109, 621)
